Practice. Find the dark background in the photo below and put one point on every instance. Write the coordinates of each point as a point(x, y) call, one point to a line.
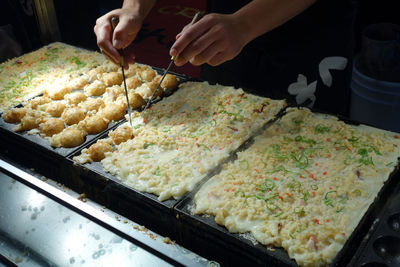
point(76, 20)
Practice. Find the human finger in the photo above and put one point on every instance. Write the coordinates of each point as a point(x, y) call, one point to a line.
point(204, 46)
point(126, 31)
point(218, 59)
point(190, 33)
point(104, 43)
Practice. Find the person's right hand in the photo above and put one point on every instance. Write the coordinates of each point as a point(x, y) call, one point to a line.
point(130, 22)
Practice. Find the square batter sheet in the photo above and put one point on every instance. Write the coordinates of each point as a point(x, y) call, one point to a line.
point(303, 185)
point(184, 137)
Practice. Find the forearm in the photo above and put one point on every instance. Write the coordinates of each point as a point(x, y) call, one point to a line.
point(142, 7)
point(261, 16)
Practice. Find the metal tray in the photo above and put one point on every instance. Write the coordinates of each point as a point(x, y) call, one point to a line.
point(109, 191)
point(37, 140)
point(213, 240)
point(122, 197)
point(40, 149)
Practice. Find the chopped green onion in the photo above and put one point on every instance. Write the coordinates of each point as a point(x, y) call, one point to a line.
point(243, 164)
point(321, 129)
point(299, 211)
point(328, 201)
point(305, 196)
point(297, 122)
point(165, 129)
point(146, 145)
point(314, 187)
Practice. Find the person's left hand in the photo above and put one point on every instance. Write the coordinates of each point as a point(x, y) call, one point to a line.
point(214, 39)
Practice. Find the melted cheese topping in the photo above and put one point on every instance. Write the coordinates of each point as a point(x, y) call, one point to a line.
point(303, 185)
point(185, 135)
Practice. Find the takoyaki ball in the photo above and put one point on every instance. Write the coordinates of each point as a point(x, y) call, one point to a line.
point(114, 91)
point(112, 78)
point(133, 82)
point(35, 102)
point(121, 134)
point(94, 74)
point(114, 112)
point(96, 88)
point(109, 66)
point(133, 69)
point(71, 137)
point(96, 151)
point(55, 109)
point(93, 124)
point(51, 126)
point(59, 92)
point(73, 115)
point(78, 83)
point(121, 101)
point(93, 104)
point(170, 81)
point(147, 74)
point(147, 89)
point(75, 98)
point(14, 115)
point(135, 100)
point(30, 121)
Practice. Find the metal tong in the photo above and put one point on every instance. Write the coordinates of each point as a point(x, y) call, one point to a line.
point(114, 23)
point(196, 18)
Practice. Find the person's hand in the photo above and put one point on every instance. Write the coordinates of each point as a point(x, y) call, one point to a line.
point(214, 39)
point(108, 41)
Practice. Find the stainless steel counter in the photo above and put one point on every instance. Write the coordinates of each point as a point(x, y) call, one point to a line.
point(40, 225)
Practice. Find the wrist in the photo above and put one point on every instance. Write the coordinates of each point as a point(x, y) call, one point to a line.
point(244, 27)
point(140, 7)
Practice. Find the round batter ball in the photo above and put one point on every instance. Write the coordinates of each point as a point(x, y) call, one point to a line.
point(55, 109)
point(147, 89)
point(132, 83)
point(109, 66)
point(121, 134)
point(132, 70)
point(94, 124)
point(30, 121)
point(113, 112)
point(94, 74)
point(136, 101)
point(71, 137)
point(112, 78)
point(14, 115)
point(93, 104)
point(147, 74)
point(75, 98)
point(114, 91)
point(73, 115)
point(37, 101)
point(96, 151)
point(96, 88)
point(169, 82)
point(78, 83)
point(51, 126)
point(59, 92)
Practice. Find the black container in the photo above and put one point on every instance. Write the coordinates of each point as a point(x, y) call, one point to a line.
point(35, 150)
point(381, 247)
point(108, 190)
